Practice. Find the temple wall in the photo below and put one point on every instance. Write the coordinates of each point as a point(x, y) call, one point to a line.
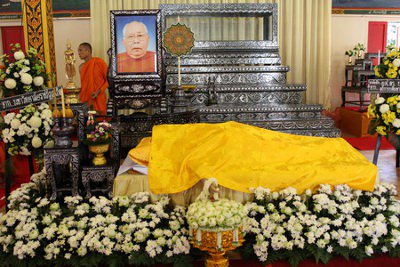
point(347, 31)
point(76, 30)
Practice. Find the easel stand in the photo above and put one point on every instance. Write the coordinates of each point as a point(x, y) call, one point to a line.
point(376, 152)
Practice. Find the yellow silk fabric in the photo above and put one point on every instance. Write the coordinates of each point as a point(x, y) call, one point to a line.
point(243, 157)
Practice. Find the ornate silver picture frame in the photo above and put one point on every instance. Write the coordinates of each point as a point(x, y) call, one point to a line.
point(136, 45)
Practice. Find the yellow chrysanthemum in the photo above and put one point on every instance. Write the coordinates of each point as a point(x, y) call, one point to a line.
point(388, 117)
point(371, 113)
point(397, 132)
point(392, 54)
point(377, 74)
point(392, 100)
point(381, 130)
point(386, 62)
point(391, 73)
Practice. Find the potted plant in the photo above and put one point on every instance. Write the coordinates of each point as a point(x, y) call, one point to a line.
point(98, 139)
point(349, 53)
point(359, 47)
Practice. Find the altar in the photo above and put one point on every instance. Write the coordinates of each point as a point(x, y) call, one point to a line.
point(223, 153)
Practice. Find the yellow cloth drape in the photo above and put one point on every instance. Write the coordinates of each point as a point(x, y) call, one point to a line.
point(304, 36)
point(242, 157)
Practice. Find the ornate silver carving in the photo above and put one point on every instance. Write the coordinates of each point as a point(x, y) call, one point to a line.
point(229, 78)
point(64, 156)
point(137, 88)
point(98, 174)
point(226, 10)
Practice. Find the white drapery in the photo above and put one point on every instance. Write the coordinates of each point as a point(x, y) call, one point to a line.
point(304, 36)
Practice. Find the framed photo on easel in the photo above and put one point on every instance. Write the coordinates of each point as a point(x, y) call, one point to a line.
point(136, 45)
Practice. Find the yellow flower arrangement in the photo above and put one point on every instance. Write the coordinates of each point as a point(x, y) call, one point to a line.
point(389, 67)
point(385, 114)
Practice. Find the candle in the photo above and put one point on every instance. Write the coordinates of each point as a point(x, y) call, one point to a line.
point(179, 71)
point(62, 103)
point(379, 57)
point(55, 97)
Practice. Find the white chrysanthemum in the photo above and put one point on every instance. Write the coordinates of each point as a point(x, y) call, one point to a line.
point(47, 113)
point(19, 55)
point(384, 108)
point(396, 123)
point(36, 142)
point(396, 62)
point(15, 123)
point(26, 78)
point(379, 100)
point(38, 81)
point(16, 75)
point(10, 83)
point(35, 122)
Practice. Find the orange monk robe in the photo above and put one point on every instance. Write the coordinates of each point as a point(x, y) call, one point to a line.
point(147, 63)
point(94, 77)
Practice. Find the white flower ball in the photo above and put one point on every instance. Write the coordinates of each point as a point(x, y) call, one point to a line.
point(38, 81)
point(15, 123)
point(19, 55)
point(379, 100)
point(396, 123)
point(36, 142)
point(26, 78)
point(10, 83)
point(384, 108)
point(396, 62)
point(35, 122)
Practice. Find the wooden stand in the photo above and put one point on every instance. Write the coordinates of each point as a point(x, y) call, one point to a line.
point(354, 122)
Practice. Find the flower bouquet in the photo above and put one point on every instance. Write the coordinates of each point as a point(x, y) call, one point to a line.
point(29, 130)
point(389, 67)
point(385, 116)
point(23, 73)
point(98, 138)
point(215, 225)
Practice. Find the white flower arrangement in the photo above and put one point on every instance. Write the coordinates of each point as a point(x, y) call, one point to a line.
point(133, 229)
point(28, 130)
point(23, 72)
point(346, 222)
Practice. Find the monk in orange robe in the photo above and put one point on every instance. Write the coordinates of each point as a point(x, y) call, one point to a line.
point(93, 79)
point(136, 58)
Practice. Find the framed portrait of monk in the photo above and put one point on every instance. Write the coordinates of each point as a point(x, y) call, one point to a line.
point(136, 44)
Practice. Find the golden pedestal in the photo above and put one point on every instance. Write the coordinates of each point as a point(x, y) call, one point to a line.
point(71, 93)
point(216, 243)
point(99, 150)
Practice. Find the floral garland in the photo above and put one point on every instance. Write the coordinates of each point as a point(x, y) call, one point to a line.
point(346, 222)
point(28, 130)
point(385, 116)
point(23, 73)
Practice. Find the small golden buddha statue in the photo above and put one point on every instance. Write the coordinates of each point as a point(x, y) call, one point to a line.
point(70, 89)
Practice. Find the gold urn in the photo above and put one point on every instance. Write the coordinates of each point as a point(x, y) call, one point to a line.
point(99, 151)
point(216, 243)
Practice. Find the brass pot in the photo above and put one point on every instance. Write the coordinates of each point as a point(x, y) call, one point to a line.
point(99, 150)
point(216, 243)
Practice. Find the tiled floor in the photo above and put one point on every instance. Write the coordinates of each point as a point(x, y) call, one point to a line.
point(387, 166)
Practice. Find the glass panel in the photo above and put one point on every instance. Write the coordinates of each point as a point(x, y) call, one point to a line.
point(226, 28)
